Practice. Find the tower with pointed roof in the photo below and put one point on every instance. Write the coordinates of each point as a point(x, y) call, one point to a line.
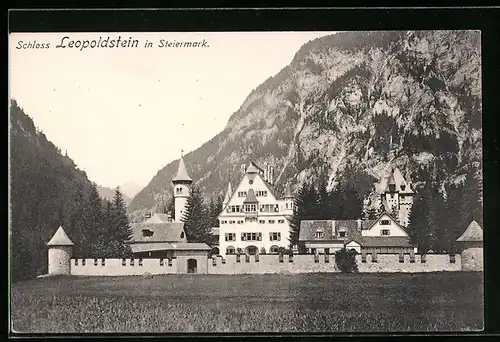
point(60, 250)
point(288, 197)
point(398, 197)
point(182, 187)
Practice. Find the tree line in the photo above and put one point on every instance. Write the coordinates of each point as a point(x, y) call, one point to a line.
point(47, 190)
point(440, 214)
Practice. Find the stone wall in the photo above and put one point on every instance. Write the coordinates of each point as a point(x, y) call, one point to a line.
point(116, 267)
point(271, 264)
point(262, 264)
point(390, 263)
point(472, 259)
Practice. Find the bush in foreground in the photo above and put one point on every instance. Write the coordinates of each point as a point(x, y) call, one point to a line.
point(346, 260)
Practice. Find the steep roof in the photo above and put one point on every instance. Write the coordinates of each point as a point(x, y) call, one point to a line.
point(60, 238)
point(308, 230)
point(162, 232)
point(250, 197)
point(473, 233)
point(253, 168)
point(396, 178)
point(182, 174)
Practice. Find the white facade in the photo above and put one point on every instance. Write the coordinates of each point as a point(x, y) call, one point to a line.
point(59, 260)
point(385, 226)
point(253, 217)
point(182, 187)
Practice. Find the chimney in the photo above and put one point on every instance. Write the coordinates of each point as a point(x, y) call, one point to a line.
point(333, 228)
point(243, 168)
point(359, 224)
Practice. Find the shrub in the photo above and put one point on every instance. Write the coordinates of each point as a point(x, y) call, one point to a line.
point(346, 260)
point(262, 250)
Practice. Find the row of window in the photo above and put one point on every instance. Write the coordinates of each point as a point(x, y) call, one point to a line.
point(342, 233)
point(250, 220)
point(258, 193)
point(272, 250)
point(264, 208)
point(178, 190)
point(273, 236)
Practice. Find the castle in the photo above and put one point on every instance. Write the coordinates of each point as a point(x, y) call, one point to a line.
point(255, 222)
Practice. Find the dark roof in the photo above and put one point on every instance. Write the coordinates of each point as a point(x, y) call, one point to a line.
point(308, 230)
point(385, 241)
point(250, 197)
point(162, 232)
point(150, 247)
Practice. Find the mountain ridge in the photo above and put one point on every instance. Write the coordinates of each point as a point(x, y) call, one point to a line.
point(405, 99)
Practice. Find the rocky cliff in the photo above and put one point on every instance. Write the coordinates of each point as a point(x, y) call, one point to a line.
point(405, 99)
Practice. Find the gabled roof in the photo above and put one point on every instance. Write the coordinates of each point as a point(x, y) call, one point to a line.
point(253, 168)
point(473, 233)
point(182, 174)
point(162, 232)
point(60, 238)
point(380, 216)
point(308, 230)
point(250, 197)
point(166, 246)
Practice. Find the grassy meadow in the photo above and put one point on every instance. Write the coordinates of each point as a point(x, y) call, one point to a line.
point(250, 303)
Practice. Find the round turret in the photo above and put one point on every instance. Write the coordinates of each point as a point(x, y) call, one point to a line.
point(60, 251)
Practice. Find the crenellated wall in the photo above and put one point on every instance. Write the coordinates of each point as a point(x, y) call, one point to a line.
point(270, 263)
point(117, 267)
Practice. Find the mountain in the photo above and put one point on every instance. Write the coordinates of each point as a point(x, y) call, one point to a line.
point(377, 100)
point(130, 189)
point(47, 190)
point(108, 193)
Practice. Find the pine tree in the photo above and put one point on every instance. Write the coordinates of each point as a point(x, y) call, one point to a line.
point(324, 205)
point(299, 212)
point(170, 208)
point(418, 228)
point(195, 218)
point(471, 202)
point(95, 215)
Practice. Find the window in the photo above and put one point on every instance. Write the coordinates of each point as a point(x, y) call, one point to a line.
point(261, 193)
point(276, 208)
point(385, 232)
point(251, 236)
point(385, 222)
point(231, 222)
point(274, 249)
point(392, 195)
point(392, 187)
point(230, 236)
point(402, 197)
point(342, 233)
point(274, 236)
point(319, 234)
point(250, 208)
point(147, 233)
point(262, 221)
point(250, 219)
point(233, 209)
point(281, 221)
point(242, 194)
point(182, 235)
point(286, 205)
point(230, 250)
point(250, 182)
point(271, 221)
point(403, 187)
point(327, 251)
point(240, 221)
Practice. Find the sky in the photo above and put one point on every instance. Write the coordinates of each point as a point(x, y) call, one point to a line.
point(123, 113)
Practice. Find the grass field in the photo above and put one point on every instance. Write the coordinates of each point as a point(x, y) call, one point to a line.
point(250, 303)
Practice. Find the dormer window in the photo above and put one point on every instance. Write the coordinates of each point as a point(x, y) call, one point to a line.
point(319, 234)
point(403, 187)
point(342, 233)
point(392, 187)
point(385, 222)
point(147, 233)
point(385, 232)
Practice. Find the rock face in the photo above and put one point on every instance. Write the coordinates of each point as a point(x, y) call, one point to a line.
point(379, 100)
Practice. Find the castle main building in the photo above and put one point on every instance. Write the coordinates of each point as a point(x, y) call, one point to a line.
point(253, 219)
